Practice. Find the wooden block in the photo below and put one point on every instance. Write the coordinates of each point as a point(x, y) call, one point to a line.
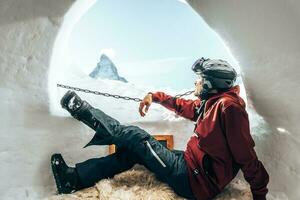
point(166, 140)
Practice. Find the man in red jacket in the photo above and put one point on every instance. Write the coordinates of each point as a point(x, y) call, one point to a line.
point(220, 147)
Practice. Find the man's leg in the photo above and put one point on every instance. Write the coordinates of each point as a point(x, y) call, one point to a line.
point(168, 166)
point(93, 170)
point(174, 172)
point(108, 129)
point(87, 173)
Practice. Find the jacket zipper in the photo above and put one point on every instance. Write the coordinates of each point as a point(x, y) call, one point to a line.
point(155, 155)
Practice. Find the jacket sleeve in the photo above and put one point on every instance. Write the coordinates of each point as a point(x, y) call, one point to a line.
point(241, 144)
point(182, 107)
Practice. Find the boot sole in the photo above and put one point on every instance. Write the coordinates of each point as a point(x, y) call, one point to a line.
point(54, 159)
point(66, 98)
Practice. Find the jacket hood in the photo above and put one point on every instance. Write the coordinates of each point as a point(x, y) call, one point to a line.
point(232, 93)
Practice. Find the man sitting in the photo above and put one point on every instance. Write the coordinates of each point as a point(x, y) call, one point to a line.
point(220, 146)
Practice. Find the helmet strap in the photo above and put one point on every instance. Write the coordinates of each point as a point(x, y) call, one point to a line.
point(204, 95)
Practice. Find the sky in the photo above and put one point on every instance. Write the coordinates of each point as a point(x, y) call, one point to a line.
point(152, 42)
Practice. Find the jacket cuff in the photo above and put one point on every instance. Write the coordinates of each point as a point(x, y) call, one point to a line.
point(154, 97)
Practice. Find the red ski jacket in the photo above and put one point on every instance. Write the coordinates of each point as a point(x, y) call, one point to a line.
point(221, 137)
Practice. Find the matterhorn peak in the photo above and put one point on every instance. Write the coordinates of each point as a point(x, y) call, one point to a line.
point(106, 69)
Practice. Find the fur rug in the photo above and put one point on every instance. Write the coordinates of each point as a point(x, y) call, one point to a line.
point(140, 184)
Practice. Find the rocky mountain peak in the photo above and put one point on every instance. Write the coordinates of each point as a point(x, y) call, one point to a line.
point(106, 69)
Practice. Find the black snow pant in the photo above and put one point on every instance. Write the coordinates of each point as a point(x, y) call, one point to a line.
point(134, 146)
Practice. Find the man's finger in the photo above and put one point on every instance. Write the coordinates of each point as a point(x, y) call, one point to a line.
point(147, 107)
point(142, 104)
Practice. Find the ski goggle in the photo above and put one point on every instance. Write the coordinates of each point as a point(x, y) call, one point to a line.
point(198, 65)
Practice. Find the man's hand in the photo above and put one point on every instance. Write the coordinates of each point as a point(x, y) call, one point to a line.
point(146, 102)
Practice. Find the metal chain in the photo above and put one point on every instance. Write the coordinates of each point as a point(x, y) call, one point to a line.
point(187, 93)
point(111, 95)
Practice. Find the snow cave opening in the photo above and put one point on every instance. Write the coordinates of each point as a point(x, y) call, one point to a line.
point(254, 35)
point(75, 47)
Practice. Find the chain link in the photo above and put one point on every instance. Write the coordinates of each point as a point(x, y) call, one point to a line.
point(187, 93)
point(112, 95)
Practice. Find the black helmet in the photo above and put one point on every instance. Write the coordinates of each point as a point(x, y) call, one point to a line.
point(216, 74)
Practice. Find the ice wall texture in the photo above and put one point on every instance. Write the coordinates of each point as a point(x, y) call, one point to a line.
point(261, 34)
point(27, 135)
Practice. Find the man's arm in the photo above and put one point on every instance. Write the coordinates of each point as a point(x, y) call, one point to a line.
point(242, 145)
point(182, 107)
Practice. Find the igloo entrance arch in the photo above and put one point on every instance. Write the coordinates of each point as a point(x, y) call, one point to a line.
point(261, 35)
point(59, 58)
point(169, 74)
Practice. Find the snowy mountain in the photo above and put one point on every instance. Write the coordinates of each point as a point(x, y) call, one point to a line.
point(106, 69)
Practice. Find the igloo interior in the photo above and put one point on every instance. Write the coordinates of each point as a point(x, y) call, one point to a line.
point(262, 36)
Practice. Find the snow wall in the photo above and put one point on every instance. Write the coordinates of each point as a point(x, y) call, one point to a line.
point(262, 35)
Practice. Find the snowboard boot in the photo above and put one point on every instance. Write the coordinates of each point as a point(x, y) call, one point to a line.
point(107, 128)
point(66, 178)
point(79, 109)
